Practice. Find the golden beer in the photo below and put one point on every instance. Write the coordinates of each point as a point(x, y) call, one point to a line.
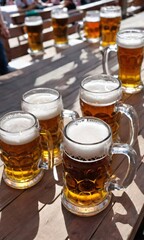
point(60, 29)
point(46, 105)
point(85, 182)
point(53, 126)
point(106, 113)
point(87, 166)
point(100, 96)
point(92, 26)
point(34, 28)
point(21, 149)
point(130, 57)
point(110, 18)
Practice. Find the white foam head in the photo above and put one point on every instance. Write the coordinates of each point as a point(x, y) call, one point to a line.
point(92, 16)
point(110, 11)
point(44, 105)
point(87, 139)
point(17, 128)
point(33, 21)
point(131, 38)
point(100, 92)
point(59, 13)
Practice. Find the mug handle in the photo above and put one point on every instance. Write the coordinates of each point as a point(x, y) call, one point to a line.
point(105, 53)
point(80, 30)
point(131, 155)
point(132, 116)
point(69, 115)
point(47, 160)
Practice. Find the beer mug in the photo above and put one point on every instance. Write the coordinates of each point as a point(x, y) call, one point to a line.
point(21, 150)
point(87, 166)
point(92, 26)
point(34, 28)
point(60, 18)
point(46, 104)
point(100, 96)
point(110, 18)
point(130, 47)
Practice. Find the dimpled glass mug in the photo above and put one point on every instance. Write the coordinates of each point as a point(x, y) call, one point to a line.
point(100, 96)
point(60, 18)
point(110, 17)
point(130, 48)
point(21, 150)
point(87, 166)
point(92, 26)
point(34, 28)
point(46, 104)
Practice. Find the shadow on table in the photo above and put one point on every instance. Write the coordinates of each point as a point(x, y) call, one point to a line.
point(25, 209)
point(117, 220)
point(20, 208)
point(140, 232)
point(104, 225)
point(60, 72)
point(139, 178)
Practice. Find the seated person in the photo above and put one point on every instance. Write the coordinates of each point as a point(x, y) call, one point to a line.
point(4, 33)
point(26, 5)
point(69, 4)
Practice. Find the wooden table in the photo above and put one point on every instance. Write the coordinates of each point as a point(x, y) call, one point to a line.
point(37, 213)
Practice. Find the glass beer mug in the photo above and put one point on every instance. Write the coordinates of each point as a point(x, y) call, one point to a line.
point(34, 28)
point(21, 150)
point(89, 29)
point(129, 48)
point(46, 104)
point(60, 18)
point(100, 96)
point(110, 18)
point(87, 166)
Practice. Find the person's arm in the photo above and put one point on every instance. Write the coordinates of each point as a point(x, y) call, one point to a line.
point(25, 5)
point(30, 7)
point(4, 32)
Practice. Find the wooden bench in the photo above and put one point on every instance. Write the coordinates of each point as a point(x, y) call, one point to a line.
point(17, 44)
point(134, 6)
point(18, 18)
point(97, 5)
point(17, 30)
point(130, 7)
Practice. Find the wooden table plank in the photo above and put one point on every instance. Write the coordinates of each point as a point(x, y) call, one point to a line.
point(27, 205)
point(46, 76)
point(120, 220)
point(48, 185)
